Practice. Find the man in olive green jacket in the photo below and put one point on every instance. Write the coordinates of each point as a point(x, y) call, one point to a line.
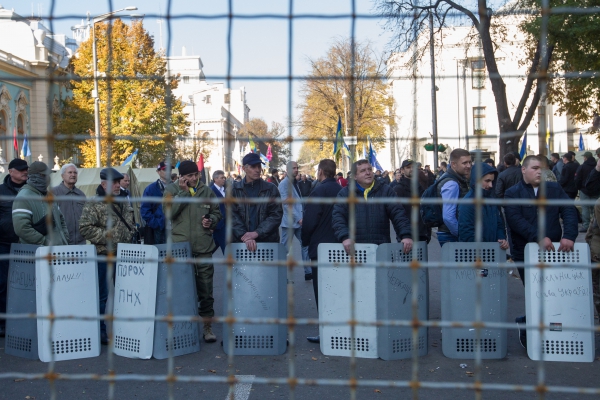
point(29, 211)
point(193, 223)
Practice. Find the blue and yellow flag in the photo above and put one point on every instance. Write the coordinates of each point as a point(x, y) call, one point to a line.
point(129, 160)
point(339, 140)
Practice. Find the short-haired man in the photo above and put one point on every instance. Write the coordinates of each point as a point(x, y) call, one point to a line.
point(397, 177)
point(341, 180)
point(93, 225)
point(372, 220)
point(404, 189)
point(317, 224)
point(192, 223)
point(522, 219)
point(218, 188)
point(73, 208)
point(152, 213)
point(557, 165)
point(288, 187)
point(29, 211)
point(253, 223)
point(567, 175)
point(304, 185)
point(442, 170)
point(13, 182)
point(454, 184)
point(274, 178)
point(585, 194)
point(125, 182)
point(510, 176)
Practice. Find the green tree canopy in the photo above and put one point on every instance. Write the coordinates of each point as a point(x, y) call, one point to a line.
point(367, 102)
point(135, 98)
point(575, 40)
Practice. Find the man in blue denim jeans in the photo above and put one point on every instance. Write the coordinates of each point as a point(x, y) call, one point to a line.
point(454, 184)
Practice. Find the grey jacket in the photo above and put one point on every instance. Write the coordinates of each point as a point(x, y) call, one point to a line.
point(71, 210)
point(284, 191)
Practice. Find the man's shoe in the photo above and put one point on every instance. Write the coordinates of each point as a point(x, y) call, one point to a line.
point(314, 339)
point(308, 277)
point(209, 336)
point(2, 330)
point(103, 337)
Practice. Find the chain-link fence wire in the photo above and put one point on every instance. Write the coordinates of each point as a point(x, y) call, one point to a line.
point(352, 381)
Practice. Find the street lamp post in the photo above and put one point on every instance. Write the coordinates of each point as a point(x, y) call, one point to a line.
point(96, 19)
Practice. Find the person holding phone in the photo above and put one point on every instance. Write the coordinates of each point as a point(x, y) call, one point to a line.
point(193, 222)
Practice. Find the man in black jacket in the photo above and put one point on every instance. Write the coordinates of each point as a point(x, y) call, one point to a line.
point(510, 176)
point(522, 219)
point(317, 226)
point(254, 223)
point(13, 182)
point(567, 176)
point(372, 220)
point(304, 185)
point(403, 189)
point(586, 194)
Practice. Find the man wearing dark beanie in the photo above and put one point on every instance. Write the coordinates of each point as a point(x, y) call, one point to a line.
point(193, 223)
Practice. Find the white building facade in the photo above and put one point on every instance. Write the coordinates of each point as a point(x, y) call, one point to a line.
point(216, 113)
point(33, 82)
point(466, 108)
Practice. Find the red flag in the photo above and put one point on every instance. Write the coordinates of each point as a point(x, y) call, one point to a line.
point(200, 165)
point(269, 154)
point(15, 143)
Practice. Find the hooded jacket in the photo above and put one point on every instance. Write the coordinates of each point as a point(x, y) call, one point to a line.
point(187, 217)
point(492, 222)
point(372, 219)
point(29, 218)
point(8, 189)
point(94, 222)
point(582, 175)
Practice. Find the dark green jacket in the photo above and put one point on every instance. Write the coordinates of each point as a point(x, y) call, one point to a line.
point(186, 217)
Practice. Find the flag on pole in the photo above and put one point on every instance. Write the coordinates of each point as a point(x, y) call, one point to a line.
point(265, 160)
point(252, 145)
point(26, 151)
point(128, 161)
point(201, 170)
point(177, 165)
point(339, 140)
point(15, 143)
point(269, 153)
point(523, 151)
point(581, 146)
point(373, 157)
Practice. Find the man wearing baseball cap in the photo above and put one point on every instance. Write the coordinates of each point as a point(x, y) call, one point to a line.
point(94, 223)
point(194, 222)
point(13, 182)
point(152, 213)
point(254, 223)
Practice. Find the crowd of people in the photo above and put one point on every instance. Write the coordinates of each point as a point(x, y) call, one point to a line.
point(74, 220)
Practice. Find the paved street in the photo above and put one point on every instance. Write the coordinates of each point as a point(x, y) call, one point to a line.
point(516, 368)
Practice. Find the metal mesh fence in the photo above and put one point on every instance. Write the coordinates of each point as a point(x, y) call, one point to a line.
point(293, 374)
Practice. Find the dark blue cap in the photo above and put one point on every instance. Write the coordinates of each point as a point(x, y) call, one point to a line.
point(110, 173)
point(251, 159)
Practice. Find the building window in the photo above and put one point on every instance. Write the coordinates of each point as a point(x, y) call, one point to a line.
point(208, 100)
point(186, 79)
point(478, 74)
point(227, 97)
point(479, 120)
point(20, 127)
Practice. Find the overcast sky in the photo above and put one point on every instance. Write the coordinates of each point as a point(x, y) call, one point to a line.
point(260, 46)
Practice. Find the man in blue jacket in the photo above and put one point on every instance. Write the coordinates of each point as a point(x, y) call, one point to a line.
point(372, 219)
point(218, 187)
point(152, 213)
point(522, 219)
point(492, 223)
point(317, 227)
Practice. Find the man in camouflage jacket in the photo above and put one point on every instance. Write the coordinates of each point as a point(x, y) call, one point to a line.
point(93, 226)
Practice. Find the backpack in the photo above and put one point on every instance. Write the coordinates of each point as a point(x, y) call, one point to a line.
point(432, 214)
